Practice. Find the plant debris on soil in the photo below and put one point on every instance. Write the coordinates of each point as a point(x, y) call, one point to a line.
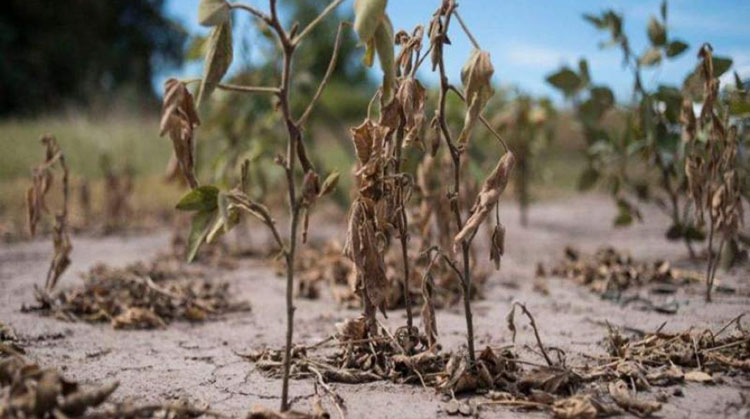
point(610, 272)
point(143, 295)
point(626, 380)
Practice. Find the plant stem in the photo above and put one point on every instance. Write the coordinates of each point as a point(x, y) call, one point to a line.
point(315, 21)
point(403, 227)
point(456, 159)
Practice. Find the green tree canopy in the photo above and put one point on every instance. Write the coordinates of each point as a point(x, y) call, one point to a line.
point(56, 53)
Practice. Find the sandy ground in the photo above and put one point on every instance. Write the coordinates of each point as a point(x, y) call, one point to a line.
point(200, 362)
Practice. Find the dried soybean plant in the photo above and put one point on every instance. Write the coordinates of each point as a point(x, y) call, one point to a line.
point(379, 210)
point(218, 211)
point(711, 166)
point(43, 179)
point(475, 76)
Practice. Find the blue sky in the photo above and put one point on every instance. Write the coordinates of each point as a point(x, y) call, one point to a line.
point(529, 40)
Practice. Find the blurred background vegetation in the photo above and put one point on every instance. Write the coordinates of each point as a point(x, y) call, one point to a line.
point(86, 74)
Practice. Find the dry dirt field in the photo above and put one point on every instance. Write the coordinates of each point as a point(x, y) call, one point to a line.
point(200, 362)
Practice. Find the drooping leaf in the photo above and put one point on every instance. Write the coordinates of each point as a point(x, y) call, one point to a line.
point(384, 45)
point(218, 58)
point(202, 198)
point(676, 48)
point(367, 17)
point(213, 12)
point(488, 196)
point(476, 75)
point(200, 226)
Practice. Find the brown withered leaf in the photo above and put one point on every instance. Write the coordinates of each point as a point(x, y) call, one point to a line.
point(411, 96)
point(497, 245)
point(411, 45)
point(179, 119)
point(487, 198)
point(428, 309)
point(476, 76)
point(35, 200)
point(639, 407)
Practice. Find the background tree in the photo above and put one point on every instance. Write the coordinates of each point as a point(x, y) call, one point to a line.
point(61, 52)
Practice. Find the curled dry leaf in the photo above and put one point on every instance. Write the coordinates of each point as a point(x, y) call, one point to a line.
point(497, 245)
point(411, 45)
point(428, 309)
point(488, 196)
point(179, 119)
point(476, 76)
point(639, 407)
point(411, 96)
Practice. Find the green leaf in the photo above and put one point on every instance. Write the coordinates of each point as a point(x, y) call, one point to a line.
point(200, 199)
point(213, 12)
point(566, 80)
point(199, 228)
point(367, 17)
point(651, 57)
point(663, 10)
point(676, 48)
point(329, 184)
point(657, 33)
point(588, 179)
point(196, 48)
point(218, 58)
point(384, 45)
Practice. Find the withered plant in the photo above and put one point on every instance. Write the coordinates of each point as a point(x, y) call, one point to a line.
point(43, 179)
point(218, 211)
point(476, 77)
point(379, 208)
point(712, 167)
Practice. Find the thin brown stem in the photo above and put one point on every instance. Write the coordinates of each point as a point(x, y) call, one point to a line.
point(248, 89)
point(329, 72)
point(536, 332)
point(253, 11)
point(466, 30)
point(403, 227)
